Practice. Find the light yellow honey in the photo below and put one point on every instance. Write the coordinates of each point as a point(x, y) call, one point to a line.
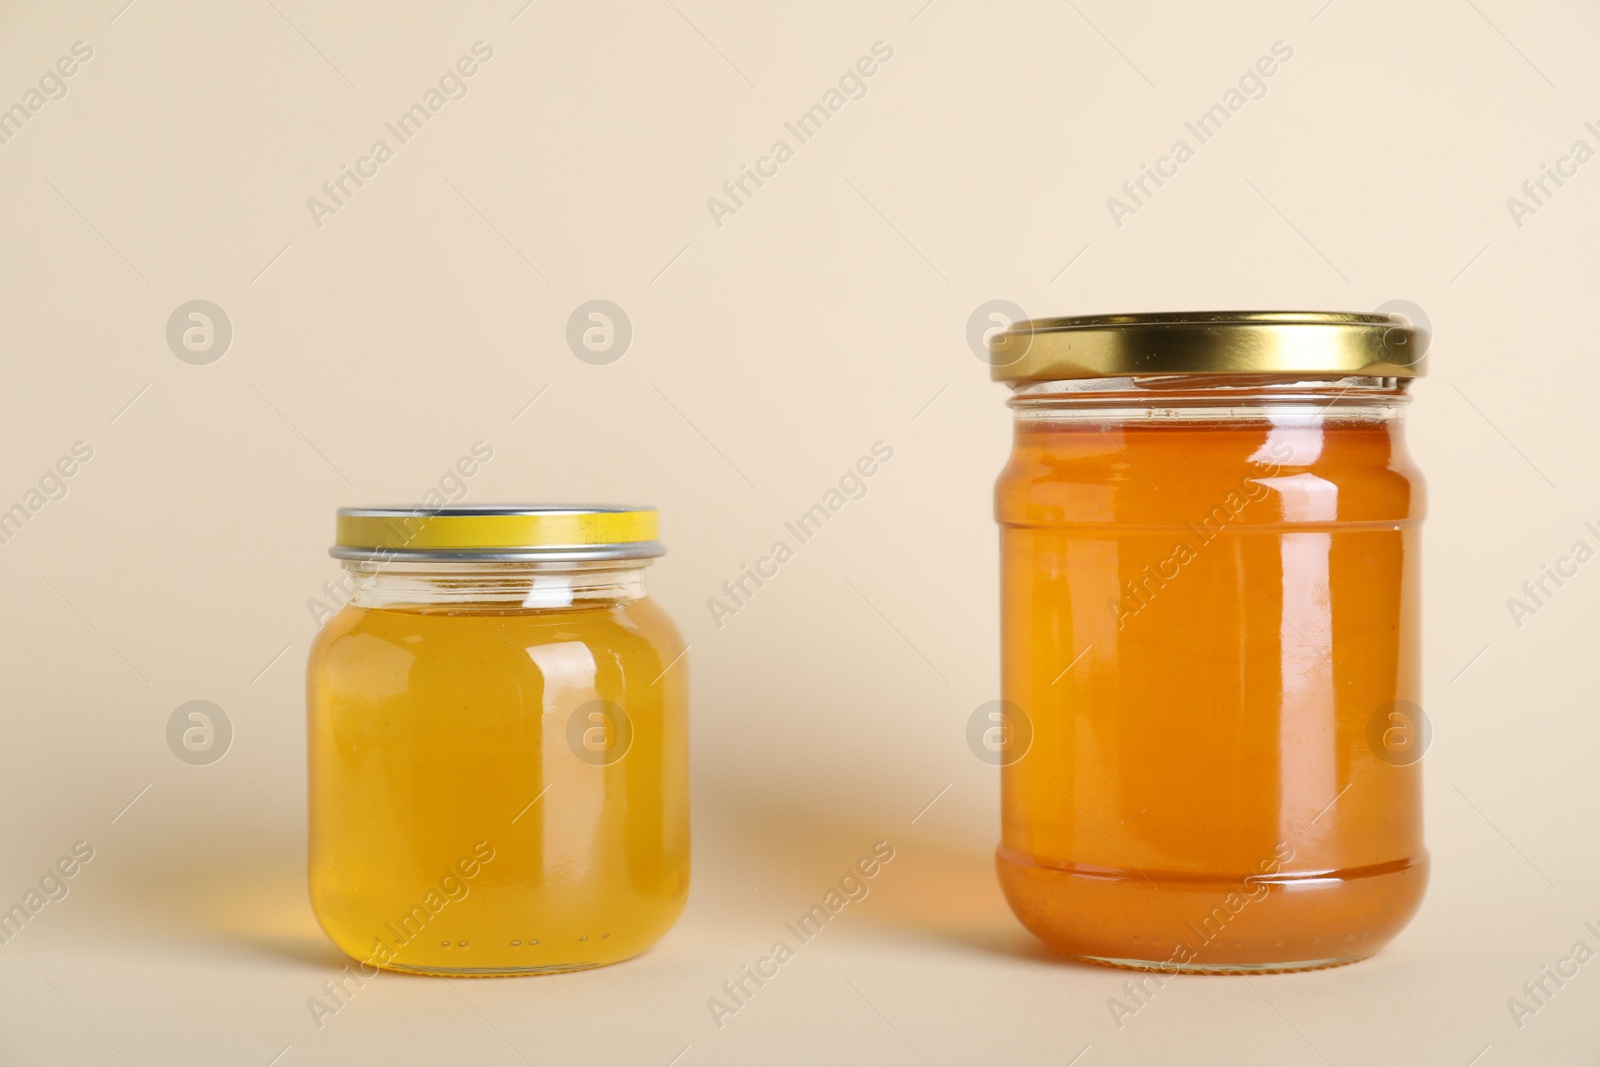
point(474, 808)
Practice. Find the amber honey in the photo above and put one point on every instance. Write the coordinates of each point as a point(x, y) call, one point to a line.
point(1201, 621)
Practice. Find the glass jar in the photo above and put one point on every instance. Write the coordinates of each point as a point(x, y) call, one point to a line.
point(498, 743)
point(1210, 607)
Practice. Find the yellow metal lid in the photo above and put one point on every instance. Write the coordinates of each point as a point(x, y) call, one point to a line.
point(553, 532)
point(1315, 343)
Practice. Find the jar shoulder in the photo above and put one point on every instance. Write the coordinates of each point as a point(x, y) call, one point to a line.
point(654, 623)
point(636, 635)
point(1262, 475)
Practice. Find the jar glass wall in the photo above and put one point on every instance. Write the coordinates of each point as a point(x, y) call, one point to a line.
point(498, 766)
point(1210, 612)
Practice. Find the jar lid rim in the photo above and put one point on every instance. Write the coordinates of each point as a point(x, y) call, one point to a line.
point(1375, 344)
point(498, 532)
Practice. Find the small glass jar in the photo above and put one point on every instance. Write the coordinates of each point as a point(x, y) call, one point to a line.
point(498, 743)
point(1210, 610)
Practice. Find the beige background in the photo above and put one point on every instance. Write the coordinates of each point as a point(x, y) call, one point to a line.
point(768, 354)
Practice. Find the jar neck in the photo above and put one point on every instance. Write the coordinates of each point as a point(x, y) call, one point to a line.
point(1275, 399)
point(496, 584)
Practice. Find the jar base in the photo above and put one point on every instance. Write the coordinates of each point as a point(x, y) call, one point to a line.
point(1212, 924)
point(1171, 967)
point(497, 972)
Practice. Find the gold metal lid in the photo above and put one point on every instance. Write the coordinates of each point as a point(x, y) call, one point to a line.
point(1335, 343)
point(494, 533)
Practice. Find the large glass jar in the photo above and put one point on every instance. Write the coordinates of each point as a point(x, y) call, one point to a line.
point(1210, 607)
point(498, 743)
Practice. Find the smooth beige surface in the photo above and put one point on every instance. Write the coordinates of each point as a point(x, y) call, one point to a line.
point(826, 313)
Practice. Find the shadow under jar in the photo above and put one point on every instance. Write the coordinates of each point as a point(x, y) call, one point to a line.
point(498, 743)
point(1210, 613)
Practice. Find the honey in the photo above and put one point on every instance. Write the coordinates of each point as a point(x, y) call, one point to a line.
point(1210, 609)
point(498, 768)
